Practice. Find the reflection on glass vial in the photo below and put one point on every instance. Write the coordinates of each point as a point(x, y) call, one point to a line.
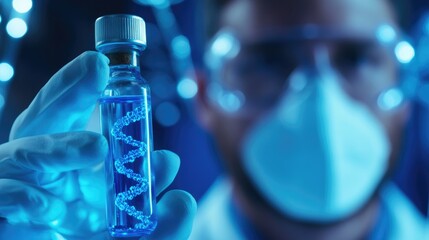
point(125, 108)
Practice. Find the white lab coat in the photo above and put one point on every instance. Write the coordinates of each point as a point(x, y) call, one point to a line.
point(215, 222)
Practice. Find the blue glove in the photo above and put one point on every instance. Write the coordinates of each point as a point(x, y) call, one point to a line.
point(51, 171)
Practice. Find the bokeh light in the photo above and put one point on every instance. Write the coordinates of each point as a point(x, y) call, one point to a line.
point(386, 33)
point(223, 45)
point(187, 88)
point(404, 52)
point(390, 99)
point(16, 27)
point(22, 6)
point(230, 101)
point(6, 72)
point(181, 47)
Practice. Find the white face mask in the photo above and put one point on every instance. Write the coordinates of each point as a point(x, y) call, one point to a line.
point(319, 155)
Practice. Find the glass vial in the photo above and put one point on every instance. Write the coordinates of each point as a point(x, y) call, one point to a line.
point(125, 108)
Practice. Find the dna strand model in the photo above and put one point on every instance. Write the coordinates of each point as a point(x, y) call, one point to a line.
point(142, 184)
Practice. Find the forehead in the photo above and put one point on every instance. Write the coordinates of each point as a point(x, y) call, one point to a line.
point(253, 19)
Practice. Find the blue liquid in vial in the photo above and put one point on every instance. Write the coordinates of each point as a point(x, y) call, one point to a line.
point(126, 124)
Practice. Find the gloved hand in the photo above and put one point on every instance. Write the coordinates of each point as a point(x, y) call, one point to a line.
point(52, 173)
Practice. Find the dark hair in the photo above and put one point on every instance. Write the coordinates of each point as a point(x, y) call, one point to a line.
point(213, 10)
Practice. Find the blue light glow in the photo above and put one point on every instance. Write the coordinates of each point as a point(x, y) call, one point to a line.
point(404, 52)
point(16, 28)
point(230, 101)
point(386, 33)
point(187, 88)
point(6, 72)
point(167, 114)
point(0, 18)
point(390, 99)
point(141, 184)
point(22, 6)
point(181, 47)
point(54, 223)
point(225, 45)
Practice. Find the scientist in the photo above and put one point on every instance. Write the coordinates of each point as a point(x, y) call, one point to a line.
point(304, 102)
point(298, 98)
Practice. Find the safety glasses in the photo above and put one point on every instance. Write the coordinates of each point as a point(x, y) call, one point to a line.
point(251, 76)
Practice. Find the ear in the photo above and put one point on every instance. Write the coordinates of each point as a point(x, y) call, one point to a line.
point(204, 109)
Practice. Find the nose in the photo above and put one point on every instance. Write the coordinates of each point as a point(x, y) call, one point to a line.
point(321, 58)
point(316, 64)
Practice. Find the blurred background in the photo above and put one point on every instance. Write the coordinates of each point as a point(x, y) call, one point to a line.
point(38, 37)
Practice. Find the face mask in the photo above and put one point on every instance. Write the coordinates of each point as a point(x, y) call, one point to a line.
point(319, 155)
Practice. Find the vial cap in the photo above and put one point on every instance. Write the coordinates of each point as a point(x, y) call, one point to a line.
point(120, 29)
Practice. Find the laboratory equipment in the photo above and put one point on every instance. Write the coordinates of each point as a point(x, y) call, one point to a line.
point(125, 108)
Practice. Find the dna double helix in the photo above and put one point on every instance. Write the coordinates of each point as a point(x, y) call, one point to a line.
point(142, 185)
